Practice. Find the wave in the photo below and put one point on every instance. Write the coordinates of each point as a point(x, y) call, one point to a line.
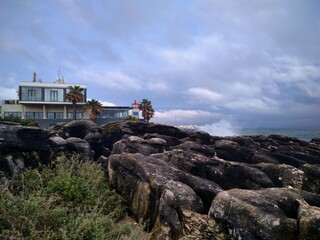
point(222, 128)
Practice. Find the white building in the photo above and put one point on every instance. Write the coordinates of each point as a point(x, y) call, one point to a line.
point(39, 100)
point(47, 104)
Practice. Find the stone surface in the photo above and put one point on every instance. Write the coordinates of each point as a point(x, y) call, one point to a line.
point(189, 185)
point(266, 214)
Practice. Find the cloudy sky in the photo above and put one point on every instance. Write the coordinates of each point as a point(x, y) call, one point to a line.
point(251, 63)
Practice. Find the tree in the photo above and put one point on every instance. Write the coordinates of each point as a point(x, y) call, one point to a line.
point(75, 95)
point(96, 108)
point(147, 109)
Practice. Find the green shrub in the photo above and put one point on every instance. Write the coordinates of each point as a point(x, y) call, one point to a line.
point(131, 118)
point(29, 122)
point(12, 118)
point(68, 200)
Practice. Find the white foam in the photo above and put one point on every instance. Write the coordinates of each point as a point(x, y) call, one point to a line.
point(222, 128)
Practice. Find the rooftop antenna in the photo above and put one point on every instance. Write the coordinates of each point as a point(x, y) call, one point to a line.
point(34, 77)
point(59, 70)
point(60, 78)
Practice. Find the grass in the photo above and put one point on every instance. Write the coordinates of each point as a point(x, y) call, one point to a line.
point(69, 199)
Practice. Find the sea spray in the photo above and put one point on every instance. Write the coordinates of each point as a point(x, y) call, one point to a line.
point(222, 128)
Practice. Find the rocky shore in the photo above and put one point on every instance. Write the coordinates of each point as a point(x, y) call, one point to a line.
point(183, 185)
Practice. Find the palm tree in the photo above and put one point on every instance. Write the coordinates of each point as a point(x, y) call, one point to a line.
point(96, 108)
point(75, 95)
point(147, 109)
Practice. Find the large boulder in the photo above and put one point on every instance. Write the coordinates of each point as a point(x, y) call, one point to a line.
point(22, 147)
point(274, 213)
point(15, 137)
point(143, 179)
point(88, 131)
point(256, 187)
point(134, 144)
point(115, 131)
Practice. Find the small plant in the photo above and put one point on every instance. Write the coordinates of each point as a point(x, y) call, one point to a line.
point(28, 122)
point(131, 118)
point(12, 118)
point(69, 199)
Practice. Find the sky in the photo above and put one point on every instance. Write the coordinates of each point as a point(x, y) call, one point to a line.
point(248, 63)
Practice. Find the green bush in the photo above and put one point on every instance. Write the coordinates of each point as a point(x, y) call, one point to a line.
point(12, 119)
point(68, 200)
point(131, 118)
point(28, 122)
point(18, 120)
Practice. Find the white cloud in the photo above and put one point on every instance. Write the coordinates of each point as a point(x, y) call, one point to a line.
point(254, 105)
point(110, 79)
point(104, 103)
point(179, 116)
point(292, 70)
point(203, 95)
point(8, 93)
point(157, 86)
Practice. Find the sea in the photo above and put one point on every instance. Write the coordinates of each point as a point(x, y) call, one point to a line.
point(300, 133)
point(224, 129)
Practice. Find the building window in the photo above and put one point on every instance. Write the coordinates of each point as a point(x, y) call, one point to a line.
point(13, 114)
point(79, 115)
point(51, 115)
point(31, 95)
point(34, 115)
point(70, 115)
point(38, 115)
point(55, 115)
point(53, 96)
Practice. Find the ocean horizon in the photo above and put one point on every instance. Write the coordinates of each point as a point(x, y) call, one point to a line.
point(305, 134)
point(224, 129)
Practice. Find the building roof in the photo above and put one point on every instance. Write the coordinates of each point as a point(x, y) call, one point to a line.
point(53, 85)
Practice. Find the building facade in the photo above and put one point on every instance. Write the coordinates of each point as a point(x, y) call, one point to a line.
point(46, 103)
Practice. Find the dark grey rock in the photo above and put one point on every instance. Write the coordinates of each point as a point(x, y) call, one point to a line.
point(265, 214)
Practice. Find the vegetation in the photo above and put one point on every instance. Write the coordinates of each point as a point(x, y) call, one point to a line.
point(131, 118)
point(75, 95)
point(18, 120)
point(96, 108)
point(69, 199)
point(147, 110)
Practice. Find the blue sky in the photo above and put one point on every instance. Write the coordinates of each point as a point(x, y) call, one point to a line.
point(251, 63)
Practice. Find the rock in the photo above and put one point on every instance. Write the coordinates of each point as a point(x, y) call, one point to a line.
point(262, 214)
point(200, 137)
point(115, 131)
point(232, 151)
point(57, 143)
point(80, 146)
point(195, 147)
point(78, 129)
point(283, 175)
point(309, 222)
point(256, 187)
point(311, 181)
point(176, 198)
point(238, 175)
point(13, 138)
point(142, 180)
point(87, 130)
point(134, 144)
point(170, 141)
